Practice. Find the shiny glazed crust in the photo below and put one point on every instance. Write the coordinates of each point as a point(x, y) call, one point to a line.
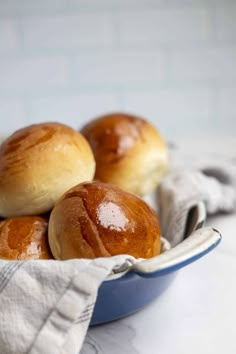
point(24, 238)
point(128, 150)
point(99, 220)
point(38, 164)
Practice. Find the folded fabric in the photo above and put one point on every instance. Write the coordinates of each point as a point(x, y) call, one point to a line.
point(183, 189)
point(46, 306)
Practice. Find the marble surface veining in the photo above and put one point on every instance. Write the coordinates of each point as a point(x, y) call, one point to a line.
point(114, 338)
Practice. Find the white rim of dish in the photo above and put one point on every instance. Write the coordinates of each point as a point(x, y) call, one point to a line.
point(194, 244)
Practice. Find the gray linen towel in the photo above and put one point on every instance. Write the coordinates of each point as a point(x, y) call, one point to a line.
point(182, 189)
point(46, 306)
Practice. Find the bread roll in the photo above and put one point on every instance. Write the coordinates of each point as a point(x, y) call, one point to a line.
point(23, 238)
point(100, 220)
point(128, 150)
point(38, 164)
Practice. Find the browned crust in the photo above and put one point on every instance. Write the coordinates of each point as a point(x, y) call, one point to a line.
point(24, 238)
point(38, 164)
point(108, 219)
point(113, 135)
point(129, 152)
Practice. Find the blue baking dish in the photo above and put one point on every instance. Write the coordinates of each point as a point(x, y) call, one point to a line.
point(123, 294)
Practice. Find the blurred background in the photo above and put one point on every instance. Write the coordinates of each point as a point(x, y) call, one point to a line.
point(170, 61)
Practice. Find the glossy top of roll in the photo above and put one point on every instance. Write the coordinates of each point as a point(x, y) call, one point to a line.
point(38, 164)
point(24, 238)
point(129, 151)
point(112, 135)
point(98, 220)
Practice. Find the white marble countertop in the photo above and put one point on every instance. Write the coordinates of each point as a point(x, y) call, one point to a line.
point(197, 314)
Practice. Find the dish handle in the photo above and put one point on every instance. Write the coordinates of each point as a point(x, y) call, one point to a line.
point(199, 243)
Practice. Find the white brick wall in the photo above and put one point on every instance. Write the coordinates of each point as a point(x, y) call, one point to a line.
point(171, 61)
point(120, 68)
point(160, 26)
point(193, 107)
point(114, 4)
point(33, 74)
point(212, 63)
point(12, 115)
point(67, 32)
point(225, 23)
point(9, 37)
point(73, 110)
point(30, 6)
point(227, 102)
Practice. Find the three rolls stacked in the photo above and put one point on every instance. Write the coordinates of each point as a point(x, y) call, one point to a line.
point(52, 204)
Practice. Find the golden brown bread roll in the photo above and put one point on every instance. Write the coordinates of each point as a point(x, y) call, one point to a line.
point(128, 150)
point(97, 219)
point(24, 238)
point(38, 164)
